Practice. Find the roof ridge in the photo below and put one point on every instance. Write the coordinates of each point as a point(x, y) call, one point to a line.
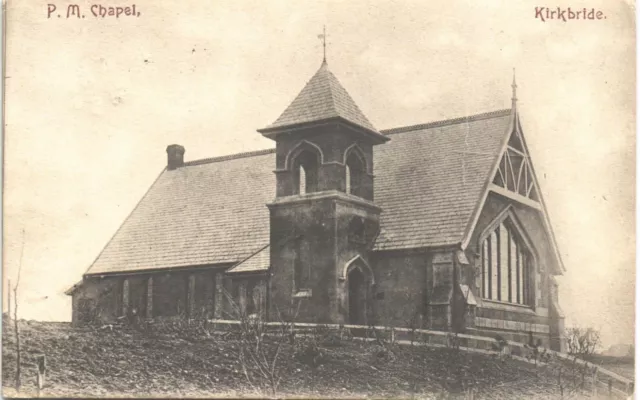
point(229, 157)
point(451, 121)
point(322, 97)
point(331, 87)
point(337, 86)
point(390, 131)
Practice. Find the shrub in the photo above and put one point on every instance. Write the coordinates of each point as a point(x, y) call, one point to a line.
point(582, 342)
point(309, 353)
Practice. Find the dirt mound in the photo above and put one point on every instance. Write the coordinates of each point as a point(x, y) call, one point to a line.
point(91, 362)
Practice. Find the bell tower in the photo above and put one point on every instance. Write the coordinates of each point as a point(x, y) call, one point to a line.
point(323, 221)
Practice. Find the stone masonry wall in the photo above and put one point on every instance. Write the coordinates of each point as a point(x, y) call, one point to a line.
point(191, 294)
point(401, 289)
point(513, 322)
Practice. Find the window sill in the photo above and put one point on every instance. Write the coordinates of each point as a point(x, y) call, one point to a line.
point(499, 305)
point(302, 294)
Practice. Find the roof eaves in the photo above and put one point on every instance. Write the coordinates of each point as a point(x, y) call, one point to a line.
point(514, 124)
point(147, 271)
point(419, 248)
point(73, 288)
point(488, 179)
point(125, 221)
point(273, 131)
point(545, 214)
point(251, 272)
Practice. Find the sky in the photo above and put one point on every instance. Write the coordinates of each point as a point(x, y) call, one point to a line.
point(92, 103)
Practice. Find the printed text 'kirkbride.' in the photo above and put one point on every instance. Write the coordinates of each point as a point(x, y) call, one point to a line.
point(568, 14)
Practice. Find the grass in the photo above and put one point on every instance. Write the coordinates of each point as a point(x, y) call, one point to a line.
point(86, 362)
point(623, 366)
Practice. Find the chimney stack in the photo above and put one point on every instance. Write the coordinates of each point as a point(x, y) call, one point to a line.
point(175, 156)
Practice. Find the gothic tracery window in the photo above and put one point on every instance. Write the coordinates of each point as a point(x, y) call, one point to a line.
point(506, 266)
point(515, 172)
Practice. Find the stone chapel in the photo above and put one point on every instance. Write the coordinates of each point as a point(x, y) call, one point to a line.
point(438, 226)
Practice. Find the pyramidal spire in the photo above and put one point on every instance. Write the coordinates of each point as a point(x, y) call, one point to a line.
point(322, 98)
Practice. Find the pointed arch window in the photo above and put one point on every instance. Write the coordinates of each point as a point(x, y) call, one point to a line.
point(506, 266)
point(305, 169)
point(355, 170)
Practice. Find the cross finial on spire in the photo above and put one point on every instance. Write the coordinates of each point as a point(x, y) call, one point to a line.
point(324, 43)
point(514, 99)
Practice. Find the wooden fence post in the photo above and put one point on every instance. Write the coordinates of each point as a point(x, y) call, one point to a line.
point(42, 371)
point(560, 383)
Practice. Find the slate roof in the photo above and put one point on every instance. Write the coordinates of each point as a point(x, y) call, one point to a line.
point(206, 212)
point(323, 97)
point(259, 261)
point(429, 180)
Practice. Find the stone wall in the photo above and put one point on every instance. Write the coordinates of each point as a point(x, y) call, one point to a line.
point(331, 141)
point(402, 279)
point(97, 300)
point(314, 232)
point(195, 294)
point(303, 233)
point(513, 322)
point(410, 288)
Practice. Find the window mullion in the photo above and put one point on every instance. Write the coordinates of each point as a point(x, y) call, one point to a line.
point(525, 281)
point(518, 277)
point(484, 268)
point(498, 264)
point(509, 266)
point(490, 274)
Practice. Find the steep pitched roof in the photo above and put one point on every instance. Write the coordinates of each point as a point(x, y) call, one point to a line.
point(323, 97)
point(259, 261)
point(429, 179)
point(208, 212)
point(498, 181)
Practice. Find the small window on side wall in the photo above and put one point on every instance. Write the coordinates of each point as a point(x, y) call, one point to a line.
point(301, 269)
